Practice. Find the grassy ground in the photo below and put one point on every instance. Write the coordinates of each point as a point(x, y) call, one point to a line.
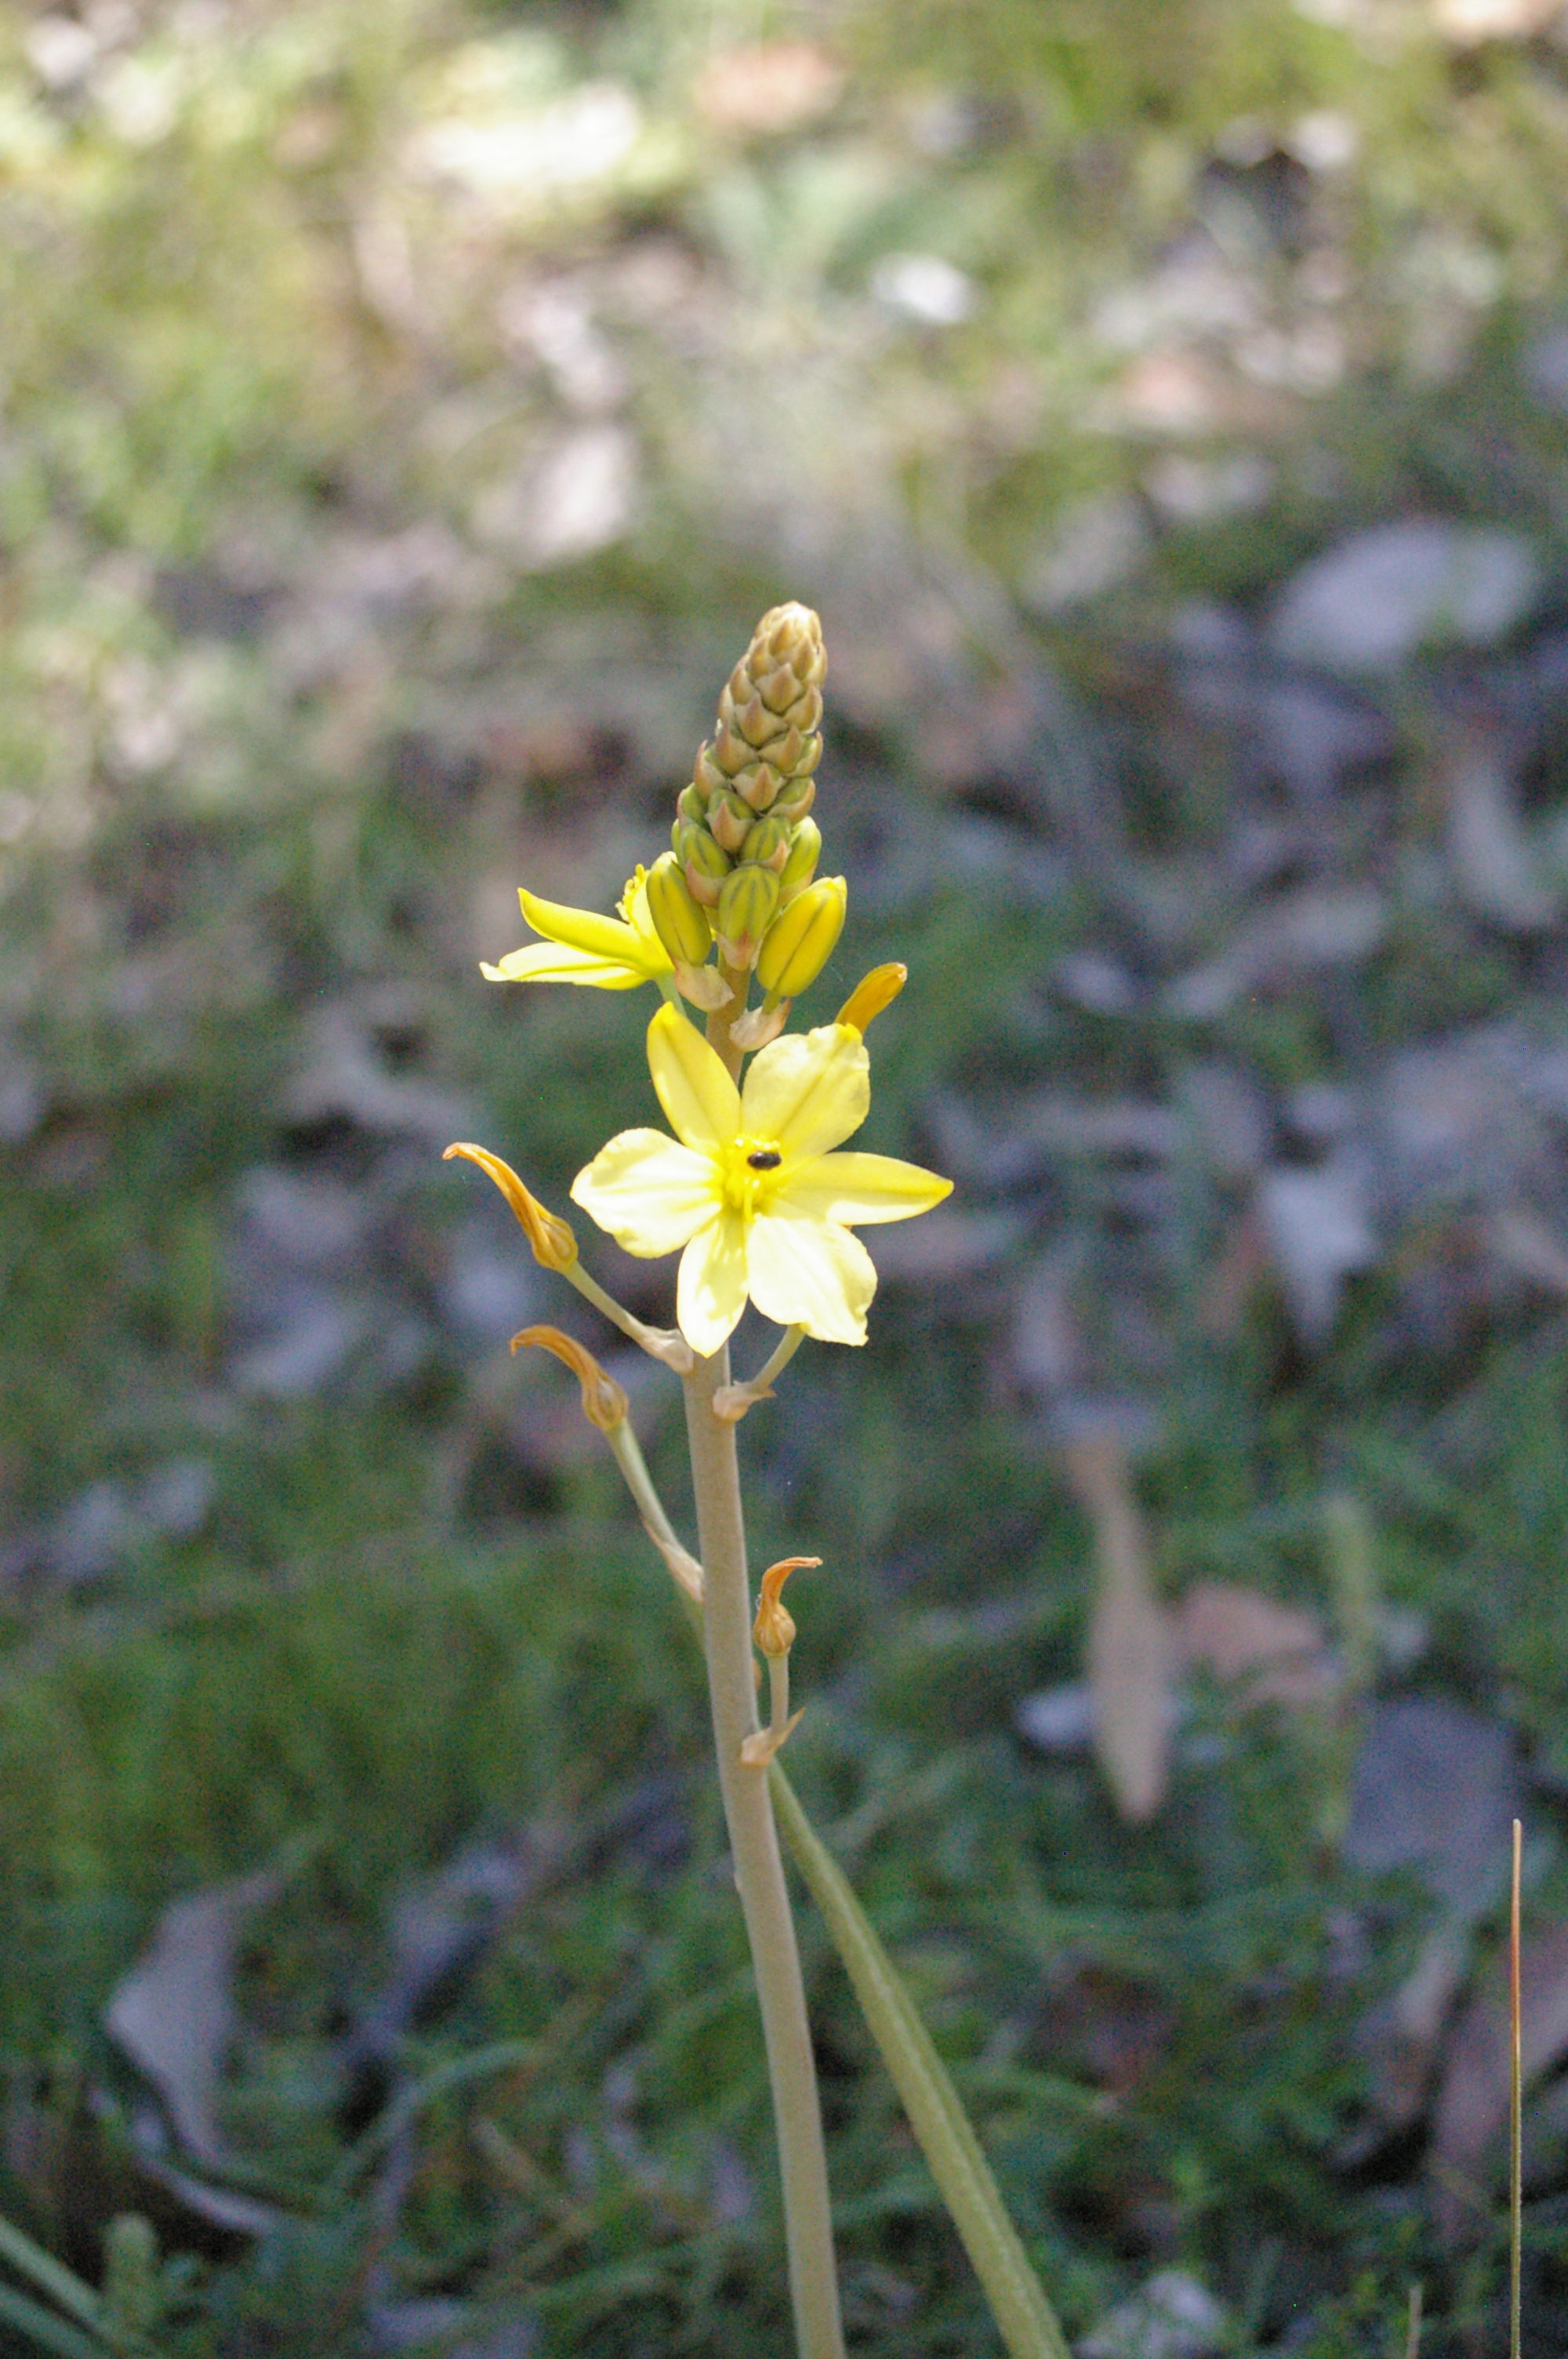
point(309, 659)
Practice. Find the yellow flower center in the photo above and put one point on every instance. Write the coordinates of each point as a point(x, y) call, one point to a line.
point(750, 1172)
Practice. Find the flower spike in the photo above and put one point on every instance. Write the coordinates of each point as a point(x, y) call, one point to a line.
point(604, 1402)
point(555, 1247)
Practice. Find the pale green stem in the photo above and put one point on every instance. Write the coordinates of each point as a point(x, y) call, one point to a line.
point(778, 1695)
point(1024, 2317)
point(935, 2109)
point(1516, 2111)
point(759, 1870)
point(719, 1022)
point(662, 1342)
point(733, 1401)
point(629, 1457)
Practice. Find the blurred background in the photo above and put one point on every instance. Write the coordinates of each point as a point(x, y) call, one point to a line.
point(407, 414)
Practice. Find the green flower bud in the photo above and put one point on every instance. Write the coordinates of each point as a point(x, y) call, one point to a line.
point(800, 866)
point(801, 940)
point(706, 776)
point(768, 844)
point(729, 821)
point(692, 803)
point(746, 906)
point(757, 785)
point(705, 864)
point(794, 800)
point(679, 920)
point(731, 752)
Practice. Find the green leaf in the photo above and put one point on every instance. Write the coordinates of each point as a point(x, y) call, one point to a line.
point(1026, 2321)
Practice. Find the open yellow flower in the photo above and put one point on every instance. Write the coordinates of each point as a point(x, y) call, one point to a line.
point(579, 946)
point(749, 1187)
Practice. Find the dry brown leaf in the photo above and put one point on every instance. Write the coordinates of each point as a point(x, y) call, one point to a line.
point(174, 2011)
point(1277, 1653)
point(1473, 2103)
point(1130, 1646)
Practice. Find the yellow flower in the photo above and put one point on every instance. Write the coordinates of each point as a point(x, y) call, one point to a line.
point(579, 946)
point(749, 1187)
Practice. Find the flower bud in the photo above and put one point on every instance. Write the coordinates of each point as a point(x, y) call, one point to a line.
point(691, 803)
point(795, 799)
point(757, 785)
point(706, 776)
point(746, 906)
point(705, 864)
point(768, 844)
point(800, 867)
point(729, 821)
point(679, 920)
point(731, 752)
point(872, 995)
point(800, 941)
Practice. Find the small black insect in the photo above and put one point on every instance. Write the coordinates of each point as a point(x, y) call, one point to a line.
point(765, 1158)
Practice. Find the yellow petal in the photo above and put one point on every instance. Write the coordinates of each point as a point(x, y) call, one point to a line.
point(696, 1094)
point(711, 1292)
point(810, 1274)
point(649, 1194)
point(546, 962)
point(640, 917)
point(604, 938)
point(809, 1091)
point(850, 1188)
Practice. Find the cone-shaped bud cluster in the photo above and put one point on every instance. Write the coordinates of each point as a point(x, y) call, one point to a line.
point(742, 840)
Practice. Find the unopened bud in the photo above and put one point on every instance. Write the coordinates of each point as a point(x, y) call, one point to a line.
point(801, 940)
point(800, 867)
point(780, 688)
point(772, 1632)
point(730, 751)
point(679, 920)
point(706, 776)
point(795, 799)
point(729, 821)
point(691, 803)
point(758, 783)
point(789, 635)
point(768, 844)
point(872, 995)
point(705, 864)
point(554, 1244)
point(605, 1404)
point(745, 910)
